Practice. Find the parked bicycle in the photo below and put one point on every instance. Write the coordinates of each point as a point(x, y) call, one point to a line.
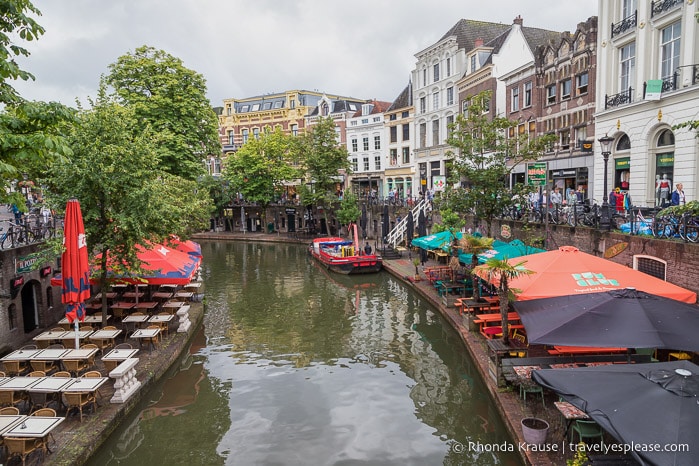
point(16, 235)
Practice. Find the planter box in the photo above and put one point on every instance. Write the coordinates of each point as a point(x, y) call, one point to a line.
point(449, 300)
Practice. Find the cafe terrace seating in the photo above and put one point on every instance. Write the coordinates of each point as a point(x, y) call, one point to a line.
point(22, 447)
point(78, 400)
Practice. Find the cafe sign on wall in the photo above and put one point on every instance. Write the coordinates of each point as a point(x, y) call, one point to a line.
point(24, 264)
point(536, 174)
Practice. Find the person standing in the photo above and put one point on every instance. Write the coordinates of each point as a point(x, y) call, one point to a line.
point(678, 195)
point(556, 198)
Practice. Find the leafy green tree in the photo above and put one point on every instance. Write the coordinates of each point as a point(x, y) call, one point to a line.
point(348, 212)
point(485, 157)
point(260, 167)
point(171, 99)
point(503, 272)
point(125, 199)
point(323, 159)
point(692, 125)
point(220, 192)
point(475, 245)
point(16, 24)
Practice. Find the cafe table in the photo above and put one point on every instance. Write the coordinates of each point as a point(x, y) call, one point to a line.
point(4, 379)
point(162, 295)
point(570, 413)
point(120, 307)
point(146, 305)
point(133, 295)
point(136, 320)
point(19, 383)
point(184, 295)
point(20, 355)
point(51, 384)
point(146, 333)
point(38, 427)
point(86, 384)
point(8, 421)
point(116, 356)
point(192, 286)
point(50, 336)
point(80, 353)
point(110, 295)
point(49, 354)
point(172, 306)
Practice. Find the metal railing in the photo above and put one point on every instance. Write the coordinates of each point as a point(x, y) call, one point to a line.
point(398, 234)
point(662, 6)
point(625, 24)
point(619, 99)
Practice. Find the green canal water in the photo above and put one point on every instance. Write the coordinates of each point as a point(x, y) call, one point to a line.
point(294, 366)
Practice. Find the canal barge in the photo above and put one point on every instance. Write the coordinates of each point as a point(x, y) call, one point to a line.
point(344, 256)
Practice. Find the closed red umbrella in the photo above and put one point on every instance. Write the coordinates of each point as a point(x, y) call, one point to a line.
point(75, 270)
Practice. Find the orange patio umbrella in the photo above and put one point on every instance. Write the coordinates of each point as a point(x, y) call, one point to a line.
point(569, 271)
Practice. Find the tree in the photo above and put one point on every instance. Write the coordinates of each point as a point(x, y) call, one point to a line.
point(503, 272)
point(323, 159)
point(348, 212)
point(125, 199)
point(16, 23)
point(259, 169)
point(171, 99)
point(487, 150)
point(475, 245)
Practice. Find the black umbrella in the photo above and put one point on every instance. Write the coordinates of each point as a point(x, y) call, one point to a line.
point(363, 220)
point(384, 224)
point(409, 227)
point(618, 318)
point(422, 231)
point(638, 404)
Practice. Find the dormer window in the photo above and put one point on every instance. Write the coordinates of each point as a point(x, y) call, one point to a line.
point(473, 63)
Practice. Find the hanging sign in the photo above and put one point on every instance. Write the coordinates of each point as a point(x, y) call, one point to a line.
point(654, 87)
point(536, 174)
point(45, 271)
point(15, 284)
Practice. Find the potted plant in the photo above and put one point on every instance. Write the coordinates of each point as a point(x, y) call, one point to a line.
point(416, 263)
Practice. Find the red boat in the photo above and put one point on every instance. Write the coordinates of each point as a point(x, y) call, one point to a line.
point(344, 256)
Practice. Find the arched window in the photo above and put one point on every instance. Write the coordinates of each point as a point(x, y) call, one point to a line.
point(624, 143)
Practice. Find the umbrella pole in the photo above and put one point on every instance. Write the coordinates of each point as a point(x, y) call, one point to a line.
point(77, 329)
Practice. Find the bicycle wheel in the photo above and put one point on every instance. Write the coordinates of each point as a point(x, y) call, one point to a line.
point(6, 241)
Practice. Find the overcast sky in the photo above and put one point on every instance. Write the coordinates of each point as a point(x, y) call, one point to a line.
point(359, 48)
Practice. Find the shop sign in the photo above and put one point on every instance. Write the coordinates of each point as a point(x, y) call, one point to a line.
point(24, 264)
point(666, 160)
point(563, 173)
point(536, 174)
point(439, 182)
point(654, 88)
point(15, 284)
point(623, 163)
point(615, 250)
point(586, 146)
point(505, 231)
point(45, 271)
point(290, 211)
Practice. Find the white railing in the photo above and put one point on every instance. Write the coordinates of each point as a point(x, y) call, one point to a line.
point(398, 235)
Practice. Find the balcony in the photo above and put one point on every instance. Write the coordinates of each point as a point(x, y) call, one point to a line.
point(670, 83)
point(619, 99)
point(625, 24)
point(662, 6)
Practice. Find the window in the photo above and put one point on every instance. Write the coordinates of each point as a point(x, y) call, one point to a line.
point(551, 94)
point(366, 164)
point(294, 129)
point(435, 69)
point(355, 165)
point(464, 107)
point(424, 76)
point(279, 104)
point(245, 136)
point(580, 133)
point(435, 101)
point(565, 139)
point(292, 103)
point(581, 84)
point(627, 58)
point(365, 121)
point(473, 63)
point(377, 162)
point(565, 89)
point(669, 50)
point(255, 107)
point(406, 132)
point(354, 145)
point(448, 67)
point(406, 155)
point(256, 133)
point(393, 134)
point(423, 134)
point(353, 123)
point(377, 142)
point(423, 106)
point(244, 108)
point(376, 119)
point(229, 111)
point(267, 106)
point(486, 105)
point(231, 137)
point(365, 143)
point(392, 117)
point(404, 114)
point(393, 157)
point(628, 8)
point(528, 94)
point(450, 96)
point(435, 132)
point(450, 121)
point(514, 104)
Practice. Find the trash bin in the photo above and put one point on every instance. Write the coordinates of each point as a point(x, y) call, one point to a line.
point(270, 227)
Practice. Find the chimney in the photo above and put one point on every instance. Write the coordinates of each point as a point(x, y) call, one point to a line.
point(518, 20)
point(478, 43)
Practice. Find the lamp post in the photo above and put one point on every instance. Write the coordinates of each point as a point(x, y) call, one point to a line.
point(606, 144)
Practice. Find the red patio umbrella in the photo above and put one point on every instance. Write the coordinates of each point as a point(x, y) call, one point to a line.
point(75, 270)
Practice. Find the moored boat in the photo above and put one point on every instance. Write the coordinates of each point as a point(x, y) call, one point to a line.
point(344, 256)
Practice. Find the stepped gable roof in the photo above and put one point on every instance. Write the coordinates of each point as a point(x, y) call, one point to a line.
point(403, 100)
point(468, 30)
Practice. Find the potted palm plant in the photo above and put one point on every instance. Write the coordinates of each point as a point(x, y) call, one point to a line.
point(416, 263)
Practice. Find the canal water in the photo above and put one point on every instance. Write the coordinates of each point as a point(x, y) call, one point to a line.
point(295, 366)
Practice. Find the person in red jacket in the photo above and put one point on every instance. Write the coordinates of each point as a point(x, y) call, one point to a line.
point(619, 200)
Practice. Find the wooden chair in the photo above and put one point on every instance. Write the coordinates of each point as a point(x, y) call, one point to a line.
point(164, 326)
point(86, 327)
point(95, 374)
point(11, 398)
point(37, 374)
point(2, 374)
point(44, 366)
point(22, 447)
point(78, 400)
point(56, 346)
point(65, 374)
point(46, 412)
point(75, 366)
point(14, 368)
point(123, 346)
point(9, 411)
point(29, 347)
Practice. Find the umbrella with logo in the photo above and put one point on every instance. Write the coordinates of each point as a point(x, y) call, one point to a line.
point(650, 406)
point(619, 318)
point(75, 271)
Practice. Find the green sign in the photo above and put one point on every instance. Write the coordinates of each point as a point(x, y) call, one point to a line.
point(623, 163)
point(654, 87)
point(536, 174)
point(24, 264)
point(666, 160)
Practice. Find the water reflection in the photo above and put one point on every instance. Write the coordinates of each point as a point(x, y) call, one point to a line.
point(299, 367)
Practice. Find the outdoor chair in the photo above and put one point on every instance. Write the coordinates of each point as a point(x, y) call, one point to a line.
point(2, 374)
point(37, 374)
point(155, 341)
point(123, 346)
point(56, 346)
point(95, 374)
point(44, 366)
point(29, 347)
point(11, 398)
point(14, 368)
point(46, 412)
point(75, 366)
point(533, 389)
point(587, 430)
point(78, 400)
point(9, 411)
point(65, 374)
point(22, 447)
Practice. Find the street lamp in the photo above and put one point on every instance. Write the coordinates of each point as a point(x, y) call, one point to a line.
point(606, 144)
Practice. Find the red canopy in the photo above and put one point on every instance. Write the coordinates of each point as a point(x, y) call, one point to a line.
point(569, 271)
point(187, 246)
point(75, 270)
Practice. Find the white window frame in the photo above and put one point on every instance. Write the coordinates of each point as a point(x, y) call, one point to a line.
point(627, 66)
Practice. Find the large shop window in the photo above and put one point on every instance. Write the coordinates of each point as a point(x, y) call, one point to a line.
point(664, 167)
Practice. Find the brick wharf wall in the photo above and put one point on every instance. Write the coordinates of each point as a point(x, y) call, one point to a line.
point(34, 289)
point(682, 258)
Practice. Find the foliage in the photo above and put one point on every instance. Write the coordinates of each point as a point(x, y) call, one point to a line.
point(691, 207)
point(125, 199)
point(487, 151)
point(16, 23)
point(259, 169)
point(171, 99)
point(349, 210)
point(580, 458)
point(32, 135)
point(692, 125)
point(475, 245)
point(504, 272)
point(220, 192)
